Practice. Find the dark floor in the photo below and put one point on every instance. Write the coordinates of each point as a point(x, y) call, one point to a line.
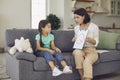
point(113, 76)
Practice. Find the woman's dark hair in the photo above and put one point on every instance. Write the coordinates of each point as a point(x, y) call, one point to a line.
point(83, 12)
point(41, 25)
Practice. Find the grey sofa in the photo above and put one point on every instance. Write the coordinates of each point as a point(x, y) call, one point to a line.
point(25, 66)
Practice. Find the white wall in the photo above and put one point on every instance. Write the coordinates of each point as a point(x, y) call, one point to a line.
point(68, 14)
point(62, 9)
point(13, 14)
point(56, 7)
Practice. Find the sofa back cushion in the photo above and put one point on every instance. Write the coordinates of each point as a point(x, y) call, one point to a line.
point(118, 44)
point(62, 38)
point(12, 34)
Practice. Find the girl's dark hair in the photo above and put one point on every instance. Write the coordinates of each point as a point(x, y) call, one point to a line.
point(83, 12)
point(41, 25)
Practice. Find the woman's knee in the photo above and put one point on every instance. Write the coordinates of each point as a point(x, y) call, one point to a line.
point(78, 53)
point(87, 62)
point(91, 58)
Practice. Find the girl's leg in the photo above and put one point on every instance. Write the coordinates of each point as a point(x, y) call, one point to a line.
point(50, 60)
point(48, 57)
point(52, 65)
point(63, 63)
point(60, 58)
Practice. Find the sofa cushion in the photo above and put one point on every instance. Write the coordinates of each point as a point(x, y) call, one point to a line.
point(107, 40)
point(41, 65)
point(25, 56)
point(32, 34)
point(63, 40)
point(68, 58)
point(118, 46)
point(112, 55)
point(13, 34)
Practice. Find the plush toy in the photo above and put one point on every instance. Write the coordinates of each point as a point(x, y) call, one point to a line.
point(21, 45)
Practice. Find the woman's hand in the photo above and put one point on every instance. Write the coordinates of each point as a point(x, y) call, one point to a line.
point(90, 40)
point(74, 39)
point(87, 39)
point(57, 50)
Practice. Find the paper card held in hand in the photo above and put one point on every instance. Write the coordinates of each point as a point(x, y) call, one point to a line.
point(80, 40)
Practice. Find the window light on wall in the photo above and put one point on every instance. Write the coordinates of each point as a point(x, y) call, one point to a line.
point(38, 12)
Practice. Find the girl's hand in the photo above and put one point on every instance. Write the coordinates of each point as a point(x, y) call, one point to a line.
point(74, 39)
point(51, 51)
point(57, 50)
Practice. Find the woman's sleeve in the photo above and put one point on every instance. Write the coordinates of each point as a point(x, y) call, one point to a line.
point(75, 35)
point(96, 35)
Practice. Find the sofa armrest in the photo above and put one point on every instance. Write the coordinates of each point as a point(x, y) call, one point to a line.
point(25, 56)
point(118, 46)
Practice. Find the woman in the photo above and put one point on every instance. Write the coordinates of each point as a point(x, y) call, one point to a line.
point(85, 58)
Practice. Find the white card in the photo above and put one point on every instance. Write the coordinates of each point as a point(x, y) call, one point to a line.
point(80, 40)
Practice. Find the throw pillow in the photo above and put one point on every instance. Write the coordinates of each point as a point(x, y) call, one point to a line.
point(107, 40)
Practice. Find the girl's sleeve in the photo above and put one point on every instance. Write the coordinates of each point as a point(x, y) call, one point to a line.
point(37, 37)
point(52, 37)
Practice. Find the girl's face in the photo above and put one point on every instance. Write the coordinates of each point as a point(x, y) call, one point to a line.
point(47, 28)
point(78, 19)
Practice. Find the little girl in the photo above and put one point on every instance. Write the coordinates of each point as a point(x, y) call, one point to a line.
point(46, 48)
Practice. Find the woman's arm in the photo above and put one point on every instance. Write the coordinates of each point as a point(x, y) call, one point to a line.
point(90, 40)
point(75, 33)
point(73, 39)
point(38, 46)
point(95, 39)
point(54, 47)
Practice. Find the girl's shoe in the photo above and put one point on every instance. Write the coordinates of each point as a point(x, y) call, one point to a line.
point(56, 72)
point(67, 70)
